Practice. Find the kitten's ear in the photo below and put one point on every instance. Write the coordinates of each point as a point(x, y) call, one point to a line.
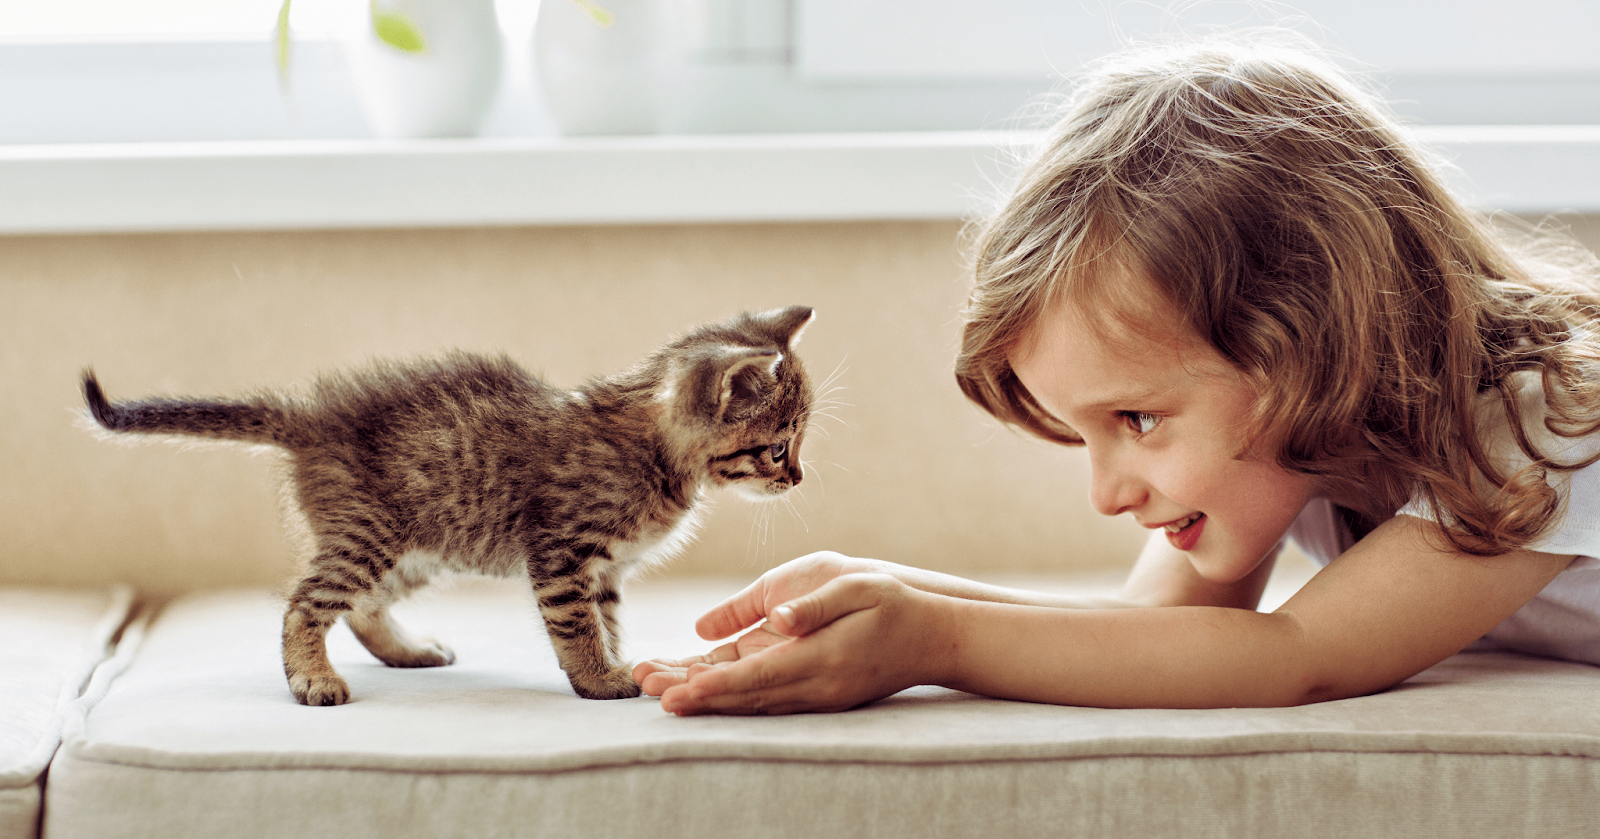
point(788, 324)
point(745, 380)
point(728, 381)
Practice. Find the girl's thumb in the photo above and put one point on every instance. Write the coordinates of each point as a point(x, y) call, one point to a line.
point(787, 621)
point(834, 600)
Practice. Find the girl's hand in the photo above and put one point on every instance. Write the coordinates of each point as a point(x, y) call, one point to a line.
point(856, 639)
point(793, 579)
point(788, 581)
point(656, 675)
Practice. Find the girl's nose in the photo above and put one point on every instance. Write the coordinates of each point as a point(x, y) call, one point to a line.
point(1113, 491)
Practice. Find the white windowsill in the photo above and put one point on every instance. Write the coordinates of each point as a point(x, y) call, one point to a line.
point(319, 184)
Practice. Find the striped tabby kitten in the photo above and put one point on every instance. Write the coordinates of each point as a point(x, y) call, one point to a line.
point(469, 463)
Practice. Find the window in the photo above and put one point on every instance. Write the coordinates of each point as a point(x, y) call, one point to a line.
point(113, 70)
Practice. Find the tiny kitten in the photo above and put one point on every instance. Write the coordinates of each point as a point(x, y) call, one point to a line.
point(468, 463)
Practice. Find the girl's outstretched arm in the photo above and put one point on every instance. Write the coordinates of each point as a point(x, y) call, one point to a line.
point(804, 575)
point(1392, 606)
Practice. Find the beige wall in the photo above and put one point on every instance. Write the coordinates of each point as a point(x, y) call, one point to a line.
point(910, 472)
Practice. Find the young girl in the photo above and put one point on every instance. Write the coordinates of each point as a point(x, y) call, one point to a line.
point(1231, 278)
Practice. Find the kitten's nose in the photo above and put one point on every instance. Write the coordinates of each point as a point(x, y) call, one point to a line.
point(796, 472)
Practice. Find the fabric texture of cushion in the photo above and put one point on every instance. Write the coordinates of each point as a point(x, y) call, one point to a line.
point(51, 643)
point(200, 737)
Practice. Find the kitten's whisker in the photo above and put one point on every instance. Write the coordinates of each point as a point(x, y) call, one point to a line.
point(750, 539)
point(795, 512)
point(820, 481)
point(772, 554)
point(838, 369)
point(761, 536)
point(836, 418)
point(763, 552)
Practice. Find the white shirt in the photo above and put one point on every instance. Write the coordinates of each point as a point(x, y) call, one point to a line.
point(1563, 620)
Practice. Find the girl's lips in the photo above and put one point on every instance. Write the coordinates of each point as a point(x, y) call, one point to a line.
point(1185, 538)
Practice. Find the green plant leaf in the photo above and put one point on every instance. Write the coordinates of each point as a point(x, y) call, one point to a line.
point(596, 13)
point(281, 37)
point(397, 30)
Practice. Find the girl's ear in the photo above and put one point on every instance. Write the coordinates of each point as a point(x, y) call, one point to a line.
point(789, 323)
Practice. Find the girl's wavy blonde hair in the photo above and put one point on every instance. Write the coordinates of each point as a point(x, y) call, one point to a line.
point(1288, 221)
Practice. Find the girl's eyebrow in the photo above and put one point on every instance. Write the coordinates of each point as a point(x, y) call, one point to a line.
point(1125, 398)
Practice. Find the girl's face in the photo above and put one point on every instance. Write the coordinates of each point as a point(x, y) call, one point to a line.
point(1163, 417)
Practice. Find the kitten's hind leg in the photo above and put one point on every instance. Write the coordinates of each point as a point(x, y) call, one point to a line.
point(340, 578)
point(377, 630)
point(313, 610)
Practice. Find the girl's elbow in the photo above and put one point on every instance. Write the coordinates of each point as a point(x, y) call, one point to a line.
point(1310, 673)
point(1314, 688)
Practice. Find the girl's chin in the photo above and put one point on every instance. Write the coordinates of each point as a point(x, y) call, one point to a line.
point(1222, 566)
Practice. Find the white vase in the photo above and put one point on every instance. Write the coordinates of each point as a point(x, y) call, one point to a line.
point(445, 90)
point(599, 79)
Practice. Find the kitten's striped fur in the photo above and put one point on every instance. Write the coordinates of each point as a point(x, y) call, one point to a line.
point(469, 463)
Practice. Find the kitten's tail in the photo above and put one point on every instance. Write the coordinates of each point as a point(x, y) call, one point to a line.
point(255, 421)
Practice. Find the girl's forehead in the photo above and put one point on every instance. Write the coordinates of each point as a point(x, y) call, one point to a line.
point(1081, 371)
point(1116, 303)
point(1088, 334)
point(1118, 342)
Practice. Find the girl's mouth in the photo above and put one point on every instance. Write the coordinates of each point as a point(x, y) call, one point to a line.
point(1185, 532)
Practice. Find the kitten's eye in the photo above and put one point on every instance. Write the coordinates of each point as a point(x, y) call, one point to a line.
point(1139, 422)
point(777, 451)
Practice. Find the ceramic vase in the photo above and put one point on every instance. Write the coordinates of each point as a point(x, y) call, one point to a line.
point(444, 90)
point(599, 79)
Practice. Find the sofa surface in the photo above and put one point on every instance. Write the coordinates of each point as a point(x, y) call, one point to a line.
point(199, 736)
point(51, 643)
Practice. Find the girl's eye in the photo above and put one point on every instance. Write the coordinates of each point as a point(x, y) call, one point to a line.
point(1140, 422)
point(776, 450)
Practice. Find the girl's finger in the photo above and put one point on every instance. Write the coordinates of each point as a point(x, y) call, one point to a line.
point(675, 671)
point(794, 698)
point(737, 612)
point(833, 600)
point(806, 694)
point(774, 666)
point(664, 663)
point(723, 653)
point(658, 681)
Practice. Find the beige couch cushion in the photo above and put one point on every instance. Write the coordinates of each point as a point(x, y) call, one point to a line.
point(51, 642)
point(200, 737)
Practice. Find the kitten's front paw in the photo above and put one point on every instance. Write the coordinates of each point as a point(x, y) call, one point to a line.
point(617, 684)
point(319, 690)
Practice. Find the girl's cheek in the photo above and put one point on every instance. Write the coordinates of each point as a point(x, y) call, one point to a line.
point(1185, 481)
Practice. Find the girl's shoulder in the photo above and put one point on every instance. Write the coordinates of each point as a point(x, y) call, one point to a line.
point(1576, 529)
point(1322, 531)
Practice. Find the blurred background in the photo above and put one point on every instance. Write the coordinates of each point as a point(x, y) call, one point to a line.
point(196, 206)
point(111, 70)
